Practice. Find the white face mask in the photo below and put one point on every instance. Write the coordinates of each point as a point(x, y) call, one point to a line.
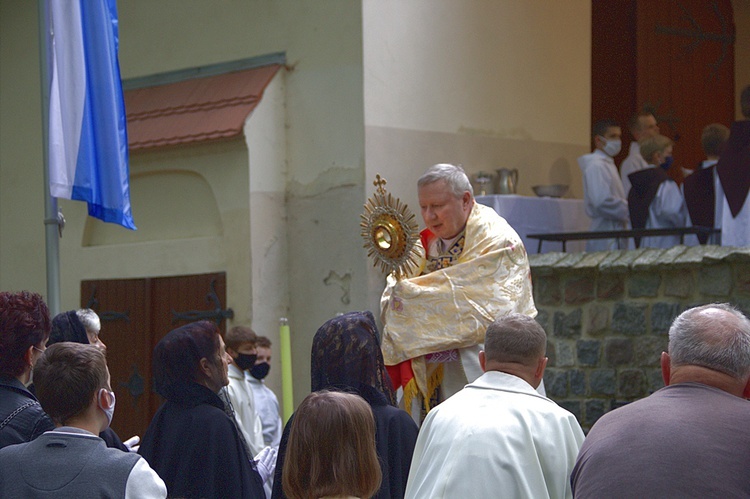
point(111, 411)
point(611, 147)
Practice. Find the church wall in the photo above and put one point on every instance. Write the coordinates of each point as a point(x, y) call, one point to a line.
point(267, 256)
point(324, 143)
point(22, 263)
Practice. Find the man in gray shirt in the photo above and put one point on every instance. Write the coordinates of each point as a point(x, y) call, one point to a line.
point(692, 437)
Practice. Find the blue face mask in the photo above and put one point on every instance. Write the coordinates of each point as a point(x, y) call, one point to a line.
point(667, 163)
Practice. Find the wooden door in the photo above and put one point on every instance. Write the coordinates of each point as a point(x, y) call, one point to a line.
point(135, 315)
point(674, 58)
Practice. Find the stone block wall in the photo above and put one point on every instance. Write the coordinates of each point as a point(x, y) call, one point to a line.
point(607, 316)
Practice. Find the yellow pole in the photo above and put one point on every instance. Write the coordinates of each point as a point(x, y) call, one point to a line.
point(286, 369)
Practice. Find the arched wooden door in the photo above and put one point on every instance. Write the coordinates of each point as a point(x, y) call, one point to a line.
point(136, 314)
point(672, 57)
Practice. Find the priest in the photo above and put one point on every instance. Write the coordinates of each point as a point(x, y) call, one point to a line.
point(472, 269)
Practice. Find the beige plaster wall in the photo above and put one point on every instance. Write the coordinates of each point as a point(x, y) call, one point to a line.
point(22, 264)
point(488, 84)
point(191, 209)
point(267, 256)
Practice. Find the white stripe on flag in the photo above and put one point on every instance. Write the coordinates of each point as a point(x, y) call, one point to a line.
point(88, 147)
point(67, 93)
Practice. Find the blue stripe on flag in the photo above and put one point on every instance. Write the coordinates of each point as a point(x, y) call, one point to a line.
point(101, 170)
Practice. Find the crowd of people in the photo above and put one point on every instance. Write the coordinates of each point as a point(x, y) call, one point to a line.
point(448, 401)
point(644, 196)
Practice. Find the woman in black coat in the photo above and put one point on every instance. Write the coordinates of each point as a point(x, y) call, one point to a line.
point(192, 443)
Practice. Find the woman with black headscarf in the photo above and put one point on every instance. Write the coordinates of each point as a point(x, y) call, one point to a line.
point(192, 444)
point(346, 357)
point(67, 326)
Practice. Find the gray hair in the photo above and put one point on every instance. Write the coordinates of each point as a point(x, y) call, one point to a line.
point(454, 176)
point(715, 336)
point(89, 319)
point(515, 338)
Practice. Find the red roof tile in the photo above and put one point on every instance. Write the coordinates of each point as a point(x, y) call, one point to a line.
point(194, 110)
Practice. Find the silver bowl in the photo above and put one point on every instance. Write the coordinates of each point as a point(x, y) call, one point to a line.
point(550, 191)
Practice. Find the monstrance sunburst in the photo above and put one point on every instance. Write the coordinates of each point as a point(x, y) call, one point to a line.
point(390, 231)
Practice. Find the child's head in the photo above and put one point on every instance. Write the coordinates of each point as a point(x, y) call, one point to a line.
point(656, 149)
point(241, 346)
point(68, 378)
point(331, 449)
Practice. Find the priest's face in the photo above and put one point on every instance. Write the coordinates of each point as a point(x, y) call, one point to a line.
point(444, 213)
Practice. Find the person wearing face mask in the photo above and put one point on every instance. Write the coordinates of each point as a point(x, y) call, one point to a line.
point(73, 385)
point(655, 200)
point(266, 402)
point(24, 330)
point(82, 327)
point(240, 341)
point(602, 188)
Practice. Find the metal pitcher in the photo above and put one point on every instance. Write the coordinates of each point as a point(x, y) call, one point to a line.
point(507, 180)
point(483, 183)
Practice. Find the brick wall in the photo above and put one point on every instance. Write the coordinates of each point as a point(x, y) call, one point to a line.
point(607, 316)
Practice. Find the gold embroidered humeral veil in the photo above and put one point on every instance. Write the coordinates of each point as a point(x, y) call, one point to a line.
point(450, 308)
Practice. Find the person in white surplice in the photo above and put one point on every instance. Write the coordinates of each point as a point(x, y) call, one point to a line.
point(498, 437)
point(603, 195)
point(655, 200)
point(642, 126)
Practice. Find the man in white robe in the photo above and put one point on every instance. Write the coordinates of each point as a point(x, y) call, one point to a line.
point(603, 194)
point(655, 200)
point(498, 437)
point(642, 126)
point(472, 269)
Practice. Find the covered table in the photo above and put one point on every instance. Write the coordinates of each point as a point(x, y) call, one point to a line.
point(535, 215)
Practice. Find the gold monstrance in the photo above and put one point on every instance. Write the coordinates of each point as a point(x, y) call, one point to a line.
point(390, 231)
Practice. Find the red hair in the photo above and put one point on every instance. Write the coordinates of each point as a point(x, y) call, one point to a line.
point(24, 322)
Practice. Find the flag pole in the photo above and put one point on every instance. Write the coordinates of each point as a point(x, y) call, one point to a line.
point(51, 223)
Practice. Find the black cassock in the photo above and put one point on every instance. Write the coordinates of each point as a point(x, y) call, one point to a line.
point(196, 449)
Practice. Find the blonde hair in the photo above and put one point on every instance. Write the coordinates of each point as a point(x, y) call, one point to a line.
point(331, 449)
point(652, 145)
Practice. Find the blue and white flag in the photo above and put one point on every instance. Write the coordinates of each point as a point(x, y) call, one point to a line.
point(88, 141)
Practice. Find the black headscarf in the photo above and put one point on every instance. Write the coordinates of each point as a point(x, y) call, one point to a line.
point(66, 326)
point(346, 356)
